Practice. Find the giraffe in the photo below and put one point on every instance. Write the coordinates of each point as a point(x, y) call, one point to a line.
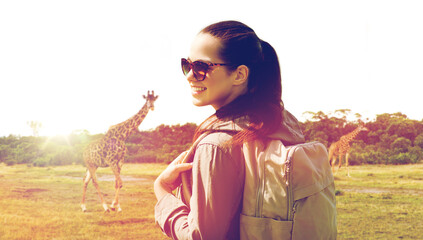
point(109, 151)
point(342, 147)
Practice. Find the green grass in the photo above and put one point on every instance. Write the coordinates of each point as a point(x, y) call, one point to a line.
point(44, 203)
point(380, 202)
point(376, 202)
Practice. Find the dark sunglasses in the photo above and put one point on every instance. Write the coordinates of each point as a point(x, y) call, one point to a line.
point(199, 68)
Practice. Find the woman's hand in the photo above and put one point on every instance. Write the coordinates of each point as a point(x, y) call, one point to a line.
point(170, 179)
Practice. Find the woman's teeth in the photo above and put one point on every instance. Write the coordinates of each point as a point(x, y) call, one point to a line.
point(198, 89)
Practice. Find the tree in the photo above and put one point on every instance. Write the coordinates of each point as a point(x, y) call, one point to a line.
point(35, 126)
point(4, 152)
point(401, 145)
point(404, 128)
point(418, 141)
point(392, 139)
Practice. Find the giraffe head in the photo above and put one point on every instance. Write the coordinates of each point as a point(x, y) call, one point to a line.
point(150, 98)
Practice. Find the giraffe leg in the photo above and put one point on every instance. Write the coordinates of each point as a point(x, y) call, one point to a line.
point(339, 157)
point(87, 180)
point(115, 204)
point(95, 183)
point(333, 163)
point(335, 157)
point(346, 163)
point(118, 185)
point(330, 154)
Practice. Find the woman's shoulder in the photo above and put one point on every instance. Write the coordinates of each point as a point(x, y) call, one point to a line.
point(217, 138)
point(216, 146)
point(221, 131)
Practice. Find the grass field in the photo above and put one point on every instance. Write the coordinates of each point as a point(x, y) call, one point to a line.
point(376, 202)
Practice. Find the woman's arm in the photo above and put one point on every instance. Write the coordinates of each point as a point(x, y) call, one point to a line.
point(215, 204)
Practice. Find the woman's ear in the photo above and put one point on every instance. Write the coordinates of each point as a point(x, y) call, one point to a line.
point(241, 75)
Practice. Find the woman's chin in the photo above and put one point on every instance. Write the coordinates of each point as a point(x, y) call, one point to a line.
point(198, 103)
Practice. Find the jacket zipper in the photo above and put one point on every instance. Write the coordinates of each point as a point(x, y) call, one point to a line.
point(294, 209)
point(260, 190)
point(291, 204)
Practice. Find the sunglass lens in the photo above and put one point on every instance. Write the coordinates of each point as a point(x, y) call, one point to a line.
point(200, 70)
point(185, 66)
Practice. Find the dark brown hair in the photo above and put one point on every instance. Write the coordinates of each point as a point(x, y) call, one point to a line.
point(262, 104)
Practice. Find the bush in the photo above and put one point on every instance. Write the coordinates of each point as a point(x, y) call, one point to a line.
point(10, 162)
point(64, 157)
point(418, 141)
point(416, 153)
point(143, 157)
point(365, 154)
point(401, 145)
point(370, 157)
point(400, 158)
point(168, 157)
point(41, 162)
point(355, 158)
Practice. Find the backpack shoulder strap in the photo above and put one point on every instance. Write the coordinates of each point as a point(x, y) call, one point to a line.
point(186, 183)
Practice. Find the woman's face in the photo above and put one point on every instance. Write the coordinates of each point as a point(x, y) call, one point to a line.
point(218, 88)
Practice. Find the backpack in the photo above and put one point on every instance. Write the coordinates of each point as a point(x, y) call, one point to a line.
point(289, 192)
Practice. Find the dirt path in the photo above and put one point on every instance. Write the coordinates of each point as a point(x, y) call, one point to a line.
point(384, 190)
point(111, 178)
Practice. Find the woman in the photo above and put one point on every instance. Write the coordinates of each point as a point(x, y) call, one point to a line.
point(238, 74)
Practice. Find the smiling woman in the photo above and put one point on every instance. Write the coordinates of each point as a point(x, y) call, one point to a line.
point(231, 69)
point(47, 53)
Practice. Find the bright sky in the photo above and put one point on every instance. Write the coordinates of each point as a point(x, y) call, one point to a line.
point(85, 64)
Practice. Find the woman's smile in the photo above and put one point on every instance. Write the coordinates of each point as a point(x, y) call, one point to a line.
point(197, 90)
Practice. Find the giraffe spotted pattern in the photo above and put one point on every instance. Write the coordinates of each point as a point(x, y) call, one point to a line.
point(342, 147)
point(110, 150)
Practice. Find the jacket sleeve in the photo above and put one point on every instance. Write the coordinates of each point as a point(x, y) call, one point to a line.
point(215, 204)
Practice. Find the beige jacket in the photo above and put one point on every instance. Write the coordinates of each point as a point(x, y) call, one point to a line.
point(218, 182)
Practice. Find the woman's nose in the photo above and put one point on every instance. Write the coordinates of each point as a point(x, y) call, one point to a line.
point(190, 76)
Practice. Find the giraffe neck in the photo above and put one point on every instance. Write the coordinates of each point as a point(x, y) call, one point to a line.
point(350, 136)
point(122, 130)
point(139, 117)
